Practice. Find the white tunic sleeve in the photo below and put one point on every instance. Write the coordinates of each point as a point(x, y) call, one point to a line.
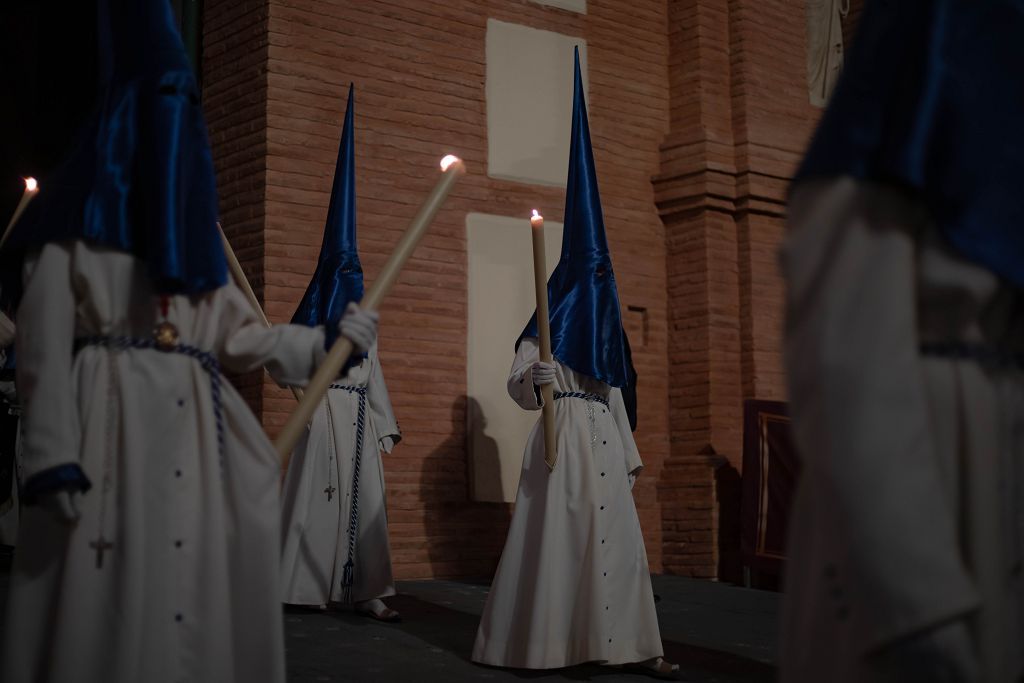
point(520, 381)
point(45, 347)
point(859, 407)
point(290, 353)
point(381, 414)
point(629, 450)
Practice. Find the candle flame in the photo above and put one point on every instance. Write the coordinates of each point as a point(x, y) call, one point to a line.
point(448, 161)
point(536, 214)
point(31, 185)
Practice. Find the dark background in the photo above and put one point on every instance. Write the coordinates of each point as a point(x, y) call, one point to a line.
point(48, 81)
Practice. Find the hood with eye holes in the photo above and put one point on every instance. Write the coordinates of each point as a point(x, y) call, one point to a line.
point(583, 301)
point(338, 278)
point(139, 177)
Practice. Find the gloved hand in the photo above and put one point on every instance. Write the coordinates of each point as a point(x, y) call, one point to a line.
point(543, 373)
point(359, 326)
point(62, 506)
point(944, 654)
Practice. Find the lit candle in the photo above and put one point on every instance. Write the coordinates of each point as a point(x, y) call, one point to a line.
point(451, 168)
point(544, 334)
point(31, 190)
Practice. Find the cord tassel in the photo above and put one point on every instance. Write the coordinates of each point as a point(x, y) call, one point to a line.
point(347, 578)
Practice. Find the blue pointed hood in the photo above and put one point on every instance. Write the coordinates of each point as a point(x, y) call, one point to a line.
point(338, 278)
point(930, 100)
point(140, 175)
point(583, 302)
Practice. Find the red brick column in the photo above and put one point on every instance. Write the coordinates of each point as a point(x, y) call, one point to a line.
point(739, 120)
point(235, 101)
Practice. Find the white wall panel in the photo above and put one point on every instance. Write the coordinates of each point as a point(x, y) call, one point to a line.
point(501, 300)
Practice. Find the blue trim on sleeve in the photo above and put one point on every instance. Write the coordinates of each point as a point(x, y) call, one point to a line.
point(69, 477)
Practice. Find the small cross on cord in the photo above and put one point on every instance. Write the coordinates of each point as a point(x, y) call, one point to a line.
point(329, 491)
point(100, 545)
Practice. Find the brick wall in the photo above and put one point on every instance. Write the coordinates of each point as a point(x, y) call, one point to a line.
point(419, 75)
point(235, 100)
point(706, 98)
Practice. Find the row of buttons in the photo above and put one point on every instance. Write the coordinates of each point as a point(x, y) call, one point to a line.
point(179, 617)
point(604, 443)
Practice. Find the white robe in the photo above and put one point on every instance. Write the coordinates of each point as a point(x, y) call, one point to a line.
point(190, 589)
point(573, 584)
point(318, 495)
point(910, 508)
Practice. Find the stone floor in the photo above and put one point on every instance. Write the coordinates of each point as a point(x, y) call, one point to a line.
point(717, 633)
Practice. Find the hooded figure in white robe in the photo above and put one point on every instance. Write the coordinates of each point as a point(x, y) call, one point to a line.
point(573, 584)
point(334, 516)
point(904, 267)
point(149, 542)
point(325, 497)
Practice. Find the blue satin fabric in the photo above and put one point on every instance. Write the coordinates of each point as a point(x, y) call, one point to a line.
point(932, 99)
point(140, 178)
point(583, 302)
point(68, 477)
point(338, 278)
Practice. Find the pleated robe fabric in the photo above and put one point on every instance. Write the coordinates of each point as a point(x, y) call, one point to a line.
point(190, 589)
point(910, 508)
point(315, 524)
point(9, 506)
point(573, 584)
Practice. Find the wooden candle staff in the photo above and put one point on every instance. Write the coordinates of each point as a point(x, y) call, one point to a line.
point(31, 190)
point(544, 334)
point(239, 276)
point(327, 373)
point(243, 284)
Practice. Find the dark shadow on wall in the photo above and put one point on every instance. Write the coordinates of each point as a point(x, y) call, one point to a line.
point(483, 464)
point(463, 537)
point(770, 472)
point(728, 497)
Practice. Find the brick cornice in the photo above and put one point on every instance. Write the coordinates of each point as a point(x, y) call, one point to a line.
point(697, 184)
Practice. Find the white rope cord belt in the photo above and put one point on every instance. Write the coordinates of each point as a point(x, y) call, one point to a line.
point(596, 398)
point(206, 360)
point(348, 574)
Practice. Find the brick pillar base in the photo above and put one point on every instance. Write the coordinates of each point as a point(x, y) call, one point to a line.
point(687, 494)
